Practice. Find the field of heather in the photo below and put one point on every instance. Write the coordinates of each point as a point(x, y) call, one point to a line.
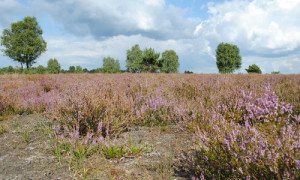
point(149, 126)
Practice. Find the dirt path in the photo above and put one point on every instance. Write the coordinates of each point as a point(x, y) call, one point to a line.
point(26, 153)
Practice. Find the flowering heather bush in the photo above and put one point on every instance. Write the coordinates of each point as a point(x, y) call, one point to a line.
point(250, 149)
point(252, 108)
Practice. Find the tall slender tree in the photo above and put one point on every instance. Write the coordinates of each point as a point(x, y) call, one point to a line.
point(134, 59)
point(53, 66)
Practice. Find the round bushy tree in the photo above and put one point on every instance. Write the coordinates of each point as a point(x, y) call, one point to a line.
point(150, 60)
point(253, 69)
point(111, 65)
point(169, 62)
point(23, 42)
point(228, 58)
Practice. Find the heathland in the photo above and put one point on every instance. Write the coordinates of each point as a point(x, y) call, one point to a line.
point(150, 126)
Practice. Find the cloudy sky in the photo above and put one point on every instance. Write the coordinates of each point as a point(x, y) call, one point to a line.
point(82, 32)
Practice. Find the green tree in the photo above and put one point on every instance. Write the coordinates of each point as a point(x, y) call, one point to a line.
point(41, 69)
point(23, 42)
point(150, 60)
point(134, 59)
point(253, 69)
point(228, 58)
point(10, 69)
point(79, 69)
point(111, 65)
point(72, 69)
point(85, 70)
point(53, 66)
point(169, 62)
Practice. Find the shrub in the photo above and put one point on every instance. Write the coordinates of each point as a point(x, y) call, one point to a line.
point(254, 69)
point(260, 148)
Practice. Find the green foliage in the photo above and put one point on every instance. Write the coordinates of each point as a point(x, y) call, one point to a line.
point(26, 135)
point(169, 62)
point(98, 70)
point(111, 65)
point(253, 69)
point(134, 59)
point(188, 72)
point(72, 69)
point(150, 60)
point(147, 60)
point(53, 66)
point(113, 151)
point(228, 58)
point(23, 42)
point(275, 72)
point(79, 69)
point(41, 69)
point(2, 129)
point(8, 70)
point(85, 70)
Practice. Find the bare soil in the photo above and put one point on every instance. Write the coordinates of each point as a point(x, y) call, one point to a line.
point(27, 153)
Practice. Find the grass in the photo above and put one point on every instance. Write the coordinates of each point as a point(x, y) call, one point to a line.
point(113, 151)
point(26, 135)
point(2, 129)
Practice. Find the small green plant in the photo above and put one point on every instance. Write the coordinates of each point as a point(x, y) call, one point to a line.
point(163, 128)
point(58, 151)
point(135, 149)
point(26, 135)
point(2, 129)
point(80, 152)
point(16, 124)
point(46, 128)
point(113, 151)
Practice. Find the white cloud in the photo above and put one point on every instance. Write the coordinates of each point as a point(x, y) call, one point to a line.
point(89, 52)
point(267, 31)
point(102, 18)
point(263, 27)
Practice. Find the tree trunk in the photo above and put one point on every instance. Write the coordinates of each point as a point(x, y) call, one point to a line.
point(22, 67)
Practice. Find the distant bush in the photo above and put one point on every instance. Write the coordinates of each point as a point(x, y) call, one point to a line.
point(188, 72)
point(254, 69)
point(275, 72)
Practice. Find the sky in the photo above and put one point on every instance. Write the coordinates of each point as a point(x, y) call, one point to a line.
point(83, 32)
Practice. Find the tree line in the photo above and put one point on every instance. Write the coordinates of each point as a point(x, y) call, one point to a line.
point(23, 42)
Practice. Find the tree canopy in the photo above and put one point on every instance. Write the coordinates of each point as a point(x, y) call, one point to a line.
point(228, 58)
point(72, 69)
point(111, 65)
point(150, 60)
point(169, 62)
point(134, 59)
point(53, 66)
point(254, 69)
point(23, 42)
